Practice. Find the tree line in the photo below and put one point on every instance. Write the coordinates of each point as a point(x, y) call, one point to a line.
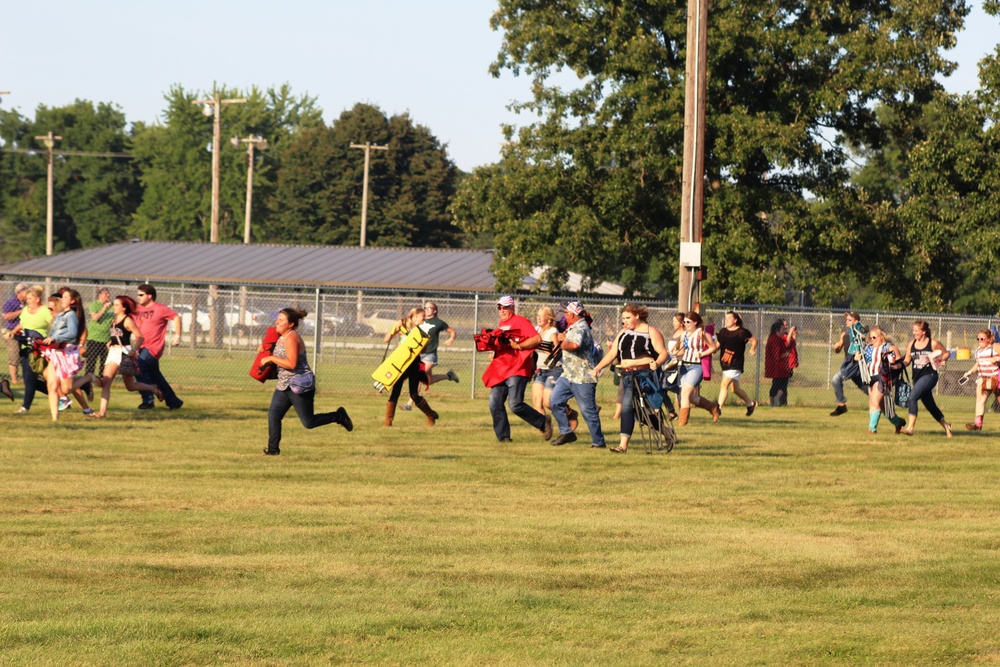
point(836, 164)
point(306, 188)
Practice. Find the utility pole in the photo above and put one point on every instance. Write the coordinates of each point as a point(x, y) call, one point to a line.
point(692, 271)
point(252, 142)
point(49, 141)
point(368, 147)
point(214, 107)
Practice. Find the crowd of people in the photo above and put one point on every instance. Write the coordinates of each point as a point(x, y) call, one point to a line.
point(50, 343)
point(65, 349)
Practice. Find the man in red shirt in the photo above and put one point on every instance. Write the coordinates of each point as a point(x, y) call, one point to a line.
point(508, 373)
point(152, 319)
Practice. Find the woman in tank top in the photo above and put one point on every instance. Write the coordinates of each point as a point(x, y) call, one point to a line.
point(927, 356)
point(548, 368)
point(638, 348)
point(694, 344)
point(123, 350)
point(987, 372)
point(885, 364)
point(296, 383)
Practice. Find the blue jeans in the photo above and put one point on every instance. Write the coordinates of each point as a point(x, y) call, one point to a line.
point(586, 397)
point(628, 409)
point(511, 390)
point(923, 391)
point(848, 371)
point(281, 401)
point(149, 373)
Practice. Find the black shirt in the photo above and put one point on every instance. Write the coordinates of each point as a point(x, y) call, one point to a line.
point(732, 348)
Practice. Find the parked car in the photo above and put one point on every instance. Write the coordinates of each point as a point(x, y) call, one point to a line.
point(382, 321)
point(344, 326)
point(203, 321)
point(253, 320)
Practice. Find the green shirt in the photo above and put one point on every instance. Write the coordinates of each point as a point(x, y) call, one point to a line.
point(41, 321)
point(437, 325)
point(99, 331)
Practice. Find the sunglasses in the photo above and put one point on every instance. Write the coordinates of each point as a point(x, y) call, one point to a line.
point(503, 307)
point(983, 339)
point(688, 321)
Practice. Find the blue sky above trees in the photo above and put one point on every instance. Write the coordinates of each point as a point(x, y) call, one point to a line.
point(429, 58)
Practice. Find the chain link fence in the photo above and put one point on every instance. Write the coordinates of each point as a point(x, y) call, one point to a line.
point(344, 331)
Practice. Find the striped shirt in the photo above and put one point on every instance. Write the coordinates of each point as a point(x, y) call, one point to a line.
point(694, 345)
point(986, 368)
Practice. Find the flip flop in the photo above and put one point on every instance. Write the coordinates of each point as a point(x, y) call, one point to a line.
point(619, 450)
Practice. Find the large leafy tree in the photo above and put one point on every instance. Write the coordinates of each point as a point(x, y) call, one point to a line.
point(94, 196)
point(319, 192)
point(594, 185)
point(177, 168)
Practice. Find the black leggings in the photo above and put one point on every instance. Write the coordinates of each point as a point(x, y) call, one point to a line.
point(412, 375)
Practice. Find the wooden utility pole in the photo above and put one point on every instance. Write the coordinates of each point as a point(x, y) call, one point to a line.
point(49, 140)
point(214, 107)
point(367, 146)
point(693, 181)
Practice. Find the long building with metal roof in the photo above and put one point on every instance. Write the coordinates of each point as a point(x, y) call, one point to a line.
point(436, 270)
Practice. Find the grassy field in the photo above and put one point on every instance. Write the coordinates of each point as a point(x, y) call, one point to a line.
point(789, 538)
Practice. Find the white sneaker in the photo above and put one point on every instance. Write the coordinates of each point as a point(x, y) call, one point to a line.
point(21, 411)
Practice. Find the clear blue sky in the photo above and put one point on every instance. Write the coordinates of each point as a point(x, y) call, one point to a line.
point(425, 57)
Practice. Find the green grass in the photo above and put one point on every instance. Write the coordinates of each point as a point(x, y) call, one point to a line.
point(788, 538)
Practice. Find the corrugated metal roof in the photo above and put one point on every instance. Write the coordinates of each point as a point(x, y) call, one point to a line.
point(442, 270)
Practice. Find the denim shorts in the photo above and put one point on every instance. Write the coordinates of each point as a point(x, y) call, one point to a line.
point(547, 378)
point(430, 358)
point(691, 375)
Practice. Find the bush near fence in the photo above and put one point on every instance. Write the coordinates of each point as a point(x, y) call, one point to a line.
point(343, 334)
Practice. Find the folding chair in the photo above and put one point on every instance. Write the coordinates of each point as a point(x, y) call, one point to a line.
point(654, 426)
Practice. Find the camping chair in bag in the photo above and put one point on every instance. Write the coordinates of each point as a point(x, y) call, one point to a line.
point(655, 428)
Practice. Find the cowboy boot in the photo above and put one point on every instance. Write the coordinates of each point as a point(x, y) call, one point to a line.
point(421, 405)
point(711, 407)
point(390, 412)
point(683, 418)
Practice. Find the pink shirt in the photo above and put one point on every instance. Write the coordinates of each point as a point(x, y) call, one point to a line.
point(152, 321)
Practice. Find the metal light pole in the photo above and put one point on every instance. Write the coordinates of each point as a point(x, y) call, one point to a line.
point(49, 141)
point(252, 142)
point(213, 107)
point(368, 147)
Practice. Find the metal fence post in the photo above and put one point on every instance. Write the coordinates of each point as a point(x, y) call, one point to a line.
point(475, 330)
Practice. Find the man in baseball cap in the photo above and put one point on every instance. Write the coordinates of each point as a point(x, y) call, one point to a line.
point(576, 380)
point(508, 373)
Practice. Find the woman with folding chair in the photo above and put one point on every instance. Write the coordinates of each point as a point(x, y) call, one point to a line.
point(884, 364)
point(639, 351)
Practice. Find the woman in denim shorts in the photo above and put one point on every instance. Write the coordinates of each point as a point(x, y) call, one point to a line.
point(548, 368)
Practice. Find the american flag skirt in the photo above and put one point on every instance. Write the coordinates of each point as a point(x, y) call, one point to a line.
point(66, 361)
